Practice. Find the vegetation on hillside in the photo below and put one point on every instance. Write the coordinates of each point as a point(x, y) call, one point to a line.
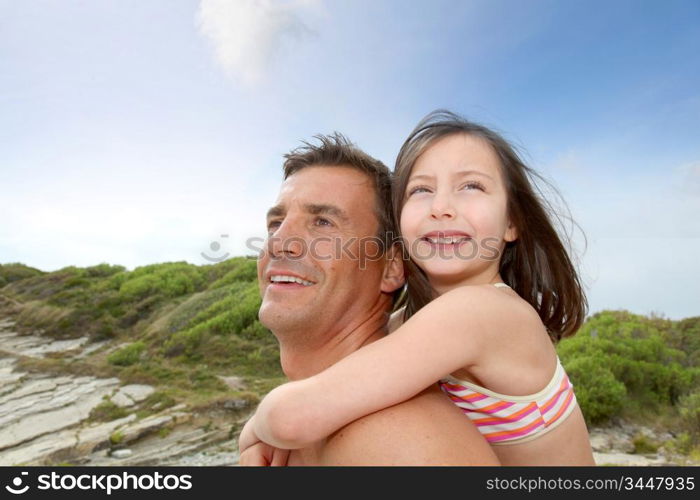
point(638, 368)
point(181, 327)
point(175, 325)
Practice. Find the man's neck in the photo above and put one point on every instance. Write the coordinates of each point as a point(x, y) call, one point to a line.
point(302, 360)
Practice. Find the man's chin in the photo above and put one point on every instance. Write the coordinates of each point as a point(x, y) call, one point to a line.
point(278, 318)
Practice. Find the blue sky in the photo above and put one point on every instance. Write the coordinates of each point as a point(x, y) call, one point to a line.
point(136, 132)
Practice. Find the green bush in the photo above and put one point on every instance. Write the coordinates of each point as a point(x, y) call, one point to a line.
point(127, 355)
point(234, 314)
point(184, 315)
point(644, 444)
point(107, 411)
point(684, 335)
point(185, 342)
point(167, 280)
point(598, 392)
point(103, 270)
point(689, 410)
point(15, 272)
point(622, 350)
point(117, 437)
point(245, 270)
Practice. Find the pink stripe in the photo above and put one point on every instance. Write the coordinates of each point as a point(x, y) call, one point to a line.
point(553, 402)
point(562, 409)
point(472, 398)
point(507, 420)
point(513, 435)
point(504, 406)
point(453, 387)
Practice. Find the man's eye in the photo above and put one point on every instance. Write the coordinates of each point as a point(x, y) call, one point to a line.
point(321, 221)
point(273, 225)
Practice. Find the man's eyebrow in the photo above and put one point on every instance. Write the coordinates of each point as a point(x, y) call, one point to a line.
point(324, 208)
point(276, 211)
point(461, 173)
point(313, 209)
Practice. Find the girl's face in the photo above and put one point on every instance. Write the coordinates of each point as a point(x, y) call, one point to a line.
point(454, 217)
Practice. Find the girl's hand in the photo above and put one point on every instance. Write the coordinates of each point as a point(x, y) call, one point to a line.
point(263, 455)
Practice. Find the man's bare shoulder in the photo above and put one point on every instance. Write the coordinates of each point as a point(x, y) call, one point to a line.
point(425, 430)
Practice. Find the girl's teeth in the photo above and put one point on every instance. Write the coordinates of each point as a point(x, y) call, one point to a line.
point(447, 241)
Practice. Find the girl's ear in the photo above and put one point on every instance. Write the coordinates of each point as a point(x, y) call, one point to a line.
point(393, 276)
point(511, 232)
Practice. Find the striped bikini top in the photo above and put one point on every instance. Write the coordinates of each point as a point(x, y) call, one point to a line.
point(505, 419)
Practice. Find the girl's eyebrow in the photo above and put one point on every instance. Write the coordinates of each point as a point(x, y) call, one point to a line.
point(461, 173)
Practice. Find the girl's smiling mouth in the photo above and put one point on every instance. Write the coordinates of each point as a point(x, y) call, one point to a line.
point(447, 237)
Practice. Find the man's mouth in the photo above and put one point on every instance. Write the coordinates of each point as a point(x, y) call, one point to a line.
point(285, 278)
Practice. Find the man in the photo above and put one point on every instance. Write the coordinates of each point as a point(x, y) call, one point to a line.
point(328, 276)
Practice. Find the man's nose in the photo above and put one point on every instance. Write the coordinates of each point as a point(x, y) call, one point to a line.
point(442, 207)
point(287, 241)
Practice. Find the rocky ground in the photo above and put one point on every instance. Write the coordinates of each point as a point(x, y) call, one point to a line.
point(44, 419)
point(614, 446)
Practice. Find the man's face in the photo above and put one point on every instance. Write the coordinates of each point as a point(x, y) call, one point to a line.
point(314, 273)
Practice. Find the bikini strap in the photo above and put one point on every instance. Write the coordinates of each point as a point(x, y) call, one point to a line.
point(501, 285)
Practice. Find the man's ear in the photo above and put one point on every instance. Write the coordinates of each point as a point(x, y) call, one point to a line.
point(393, 275)
point(511, 232)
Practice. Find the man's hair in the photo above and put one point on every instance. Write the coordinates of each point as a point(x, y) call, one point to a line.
point(335, 150)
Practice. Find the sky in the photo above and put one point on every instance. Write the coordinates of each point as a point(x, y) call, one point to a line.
point(137, 132)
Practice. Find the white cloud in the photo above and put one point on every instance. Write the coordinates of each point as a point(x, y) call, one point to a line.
point(246, 35)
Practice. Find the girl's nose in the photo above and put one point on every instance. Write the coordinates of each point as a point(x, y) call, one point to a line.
point(441, 207)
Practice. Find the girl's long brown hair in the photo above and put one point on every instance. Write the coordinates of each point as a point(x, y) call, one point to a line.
point(536, 265)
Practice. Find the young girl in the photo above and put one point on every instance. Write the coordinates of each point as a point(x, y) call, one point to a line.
point(490, 289)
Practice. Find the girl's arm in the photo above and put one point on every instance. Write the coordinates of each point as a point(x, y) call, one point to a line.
point(445, 335)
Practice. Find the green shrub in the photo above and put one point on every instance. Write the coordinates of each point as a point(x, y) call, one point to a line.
point(168, 280)
point(223, 302)
point(684, 335)
point(598, 392)
point(623, 348)
point(107, 411)
point(127, 355)
point(245, 270)
point(103, 270)
point(689, 410)
point(643, 444)
point(15, 271)
point(185, 342)
point(186, 313)
point(159, 400)
point(116, 437)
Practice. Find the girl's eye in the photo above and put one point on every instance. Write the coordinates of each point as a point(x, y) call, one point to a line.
point(418, 189)
point(474, 185)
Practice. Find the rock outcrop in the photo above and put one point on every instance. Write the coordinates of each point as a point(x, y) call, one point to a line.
point(45, 419)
